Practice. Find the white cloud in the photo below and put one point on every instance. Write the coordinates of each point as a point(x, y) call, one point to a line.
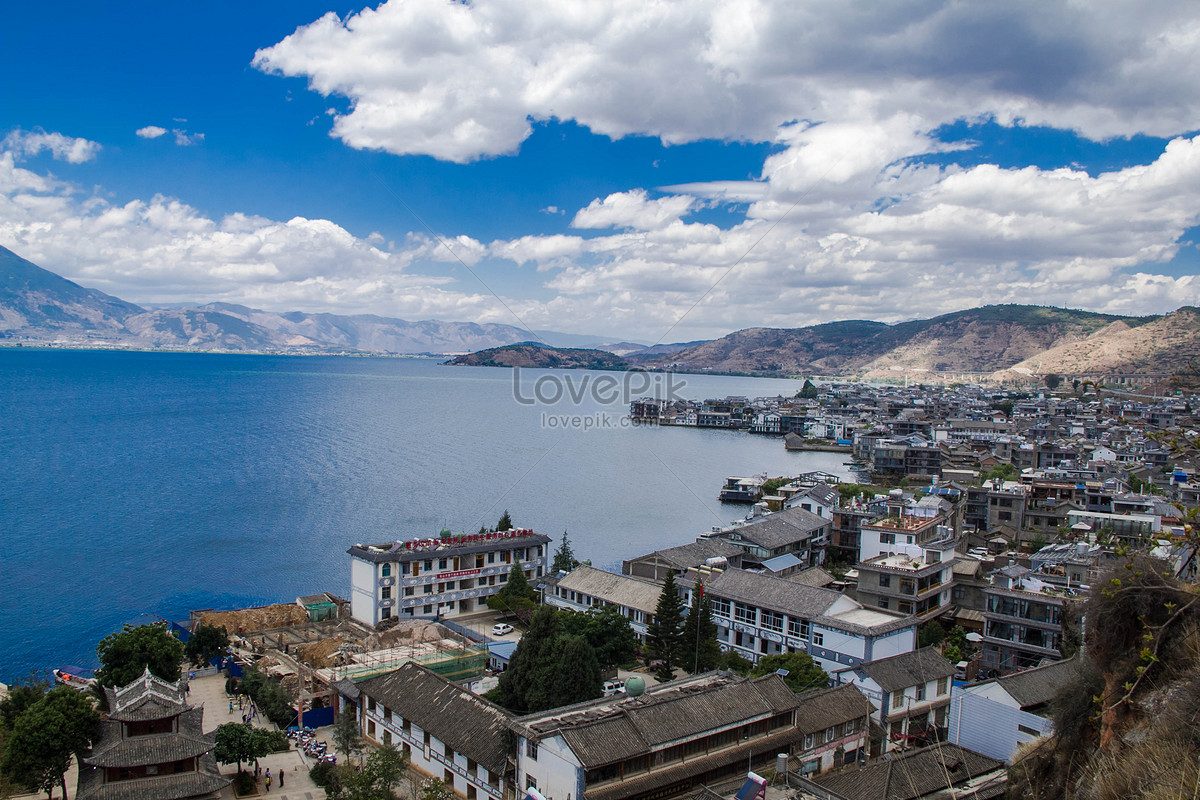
point(633, 210)
point(151, 132)
point(461, 81)
point(185, 139)
point(71, 149)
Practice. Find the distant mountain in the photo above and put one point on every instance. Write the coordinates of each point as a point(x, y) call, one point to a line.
point(37, 306)
point(979, 340)
point(535, 354)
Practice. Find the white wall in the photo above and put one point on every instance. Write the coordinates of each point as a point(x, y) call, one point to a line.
point(893, 644)
point(557, 771)
point(362, 591)
point(991, 728)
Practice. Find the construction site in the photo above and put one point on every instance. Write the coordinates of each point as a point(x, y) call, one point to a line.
point(312, 643)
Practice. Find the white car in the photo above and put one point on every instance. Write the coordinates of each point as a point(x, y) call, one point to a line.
point(501, 628)
point(612, 688)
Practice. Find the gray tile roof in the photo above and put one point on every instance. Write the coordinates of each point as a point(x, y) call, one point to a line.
point(148, 697)
point(694, 554)
point(823, 708)
point(768, 591)
point(112, 750)
point(915, 774)
point(908, 669)
point(780, 529)
point(204, 781)
point(1038, 686)
point(813, 576)
point(469, 724)
point(622, 589)
point(611, 730)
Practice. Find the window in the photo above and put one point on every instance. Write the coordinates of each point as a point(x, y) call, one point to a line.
point(943, 684)
point(818, 638)
point(851, 726)
point(491, 558)
point(386, 594)
point(798, 628)
point(829, 735)
point(887, 538)
point(720, 608)
point(386, 571)
point(885, 581)
point(441, 563)
point(808, 741)
point(371, 728)
point(743, 613)
point(1028, 731)
point(530, 782)
point(883, 602)
point(920, 692)
point(387, 737)
point(370, 704)
point(448, 751)
point(408, 591)
point(427, 588)
point(772, 620)
point(531, 749)
point(386, 613)
point(427, 610)
point(898, 699)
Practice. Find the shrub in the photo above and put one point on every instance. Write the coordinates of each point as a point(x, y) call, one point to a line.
point(244, 784)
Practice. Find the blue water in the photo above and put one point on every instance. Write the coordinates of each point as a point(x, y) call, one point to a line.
point(157, 483)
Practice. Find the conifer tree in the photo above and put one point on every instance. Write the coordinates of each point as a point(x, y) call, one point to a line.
point(665, 631)
point(535, 651)
point(699, 651)
point(564, 557)
point(505, 523)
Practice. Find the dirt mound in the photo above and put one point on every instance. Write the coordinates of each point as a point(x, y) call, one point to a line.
point(319, 654)
point(251, 620)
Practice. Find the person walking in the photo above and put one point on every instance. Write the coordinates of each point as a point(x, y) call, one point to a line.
point(281, 778)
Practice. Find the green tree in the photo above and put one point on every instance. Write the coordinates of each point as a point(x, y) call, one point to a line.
point(564, 557)
point(803, 672)
point(529, 660)
point(1005, 472)
point(505, 523)
point(699, 651)
point(269, 695)
point(930, 634)
point(436, 790)
point(665, 631)
point(20, 697)
point(382, 771)
point(1053, 380)
point(346, 738)
point(206, 643)
point(732, 662)
point(608, 631)
point(808, 391)
point(572, 677)
point(46, 735)
point(236, 742)
point(126, 654)
point(516, 595)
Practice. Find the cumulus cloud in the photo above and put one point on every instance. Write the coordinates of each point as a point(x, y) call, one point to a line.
point(185, 139)
point(151, 132)
point(461, 81)
point(71, 149)
point(633, 210)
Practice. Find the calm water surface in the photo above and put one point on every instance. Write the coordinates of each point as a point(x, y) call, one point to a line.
point(156, 483)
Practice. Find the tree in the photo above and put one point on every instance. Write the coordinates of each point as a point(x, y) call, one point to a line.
point(126, 654)
point(516, 595)
point(808, 391)
point(530, 658)
point(699, 651)
point(573, 676)
point(61, 724)
point(1053, 380)
point(237, 742)
point(206, 643)
point(664, 632)
point(20, 697)
point(383, 769)
point(505, 523)
point(803, 672)
point(346, 738)
point(436, 790)
point(930, 634)
point(564, 557)
point(269, 695)
point(607, 630)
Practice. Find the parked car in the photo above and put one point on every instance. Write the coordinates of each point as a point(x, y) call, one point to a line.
point(501, 628)
point(614, 687)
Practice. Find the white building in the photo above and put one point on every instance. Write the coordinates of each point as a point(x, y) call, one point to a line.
point(585, 587)
point(758, 615)
point(442, 577)
point(995, 717)
point(447, 732)
point(910, 692)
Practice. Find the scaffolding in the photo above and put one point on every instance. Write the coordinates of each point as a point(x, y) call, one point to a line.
point(446, 657)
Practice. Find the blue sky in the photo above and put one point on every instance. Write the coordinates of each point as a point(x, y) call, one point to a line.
point(601, 167)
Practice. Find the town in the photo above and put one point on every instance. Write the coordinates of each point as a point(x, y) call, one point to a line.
point(916, 630)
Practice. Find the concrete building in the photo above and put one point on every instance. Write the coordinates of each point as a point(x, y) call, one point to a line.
point(654, 566)
point(442, 577)
point(911, 695)
point(585, 587)
point(920, 585)
point(1024, 619)
point(996, 717)
point(792, 531)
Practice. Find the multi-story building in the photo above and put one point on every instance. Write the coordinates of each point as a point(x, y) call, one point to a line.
point(711, 552)
point(1024, 619)
point(904, 533)
point(792, 531)
point(759, 615)
point(442, 577)
point(917, 585)
point(682, 734)
point(910, 693)
point(585, 587)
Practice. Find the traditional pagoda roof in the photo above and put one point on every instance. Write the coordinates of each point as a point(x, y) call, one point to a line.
point(136, 751)
point(204, 781)
point(148, 697)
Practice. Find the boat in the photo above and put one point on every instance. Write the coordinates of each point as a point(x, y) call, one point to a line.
point(72, 678)
point(742, 490)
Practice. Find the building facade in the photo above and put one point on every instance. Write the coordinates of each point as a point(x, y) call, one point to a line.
point(442, 577)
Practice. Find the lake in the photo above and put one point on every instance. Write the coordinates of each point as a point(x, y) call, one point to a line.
point(136, 484)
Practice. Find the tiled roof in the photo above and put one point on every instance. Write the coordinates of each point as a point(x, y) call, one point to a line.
point(469, 724)
point(694, 554)
point(603, 732)
point(823, 708)
point(112, 750)
point(622, 589)
point(1038, 686)
point(781, 528)
point(768, 591)
point(908, 669)
point(148, 697)
point(915, 774)
point(813, 576)
point(200, 783)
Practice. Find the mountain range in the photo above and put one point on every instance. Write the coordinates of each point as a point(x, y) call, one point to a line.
point(39, 307)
